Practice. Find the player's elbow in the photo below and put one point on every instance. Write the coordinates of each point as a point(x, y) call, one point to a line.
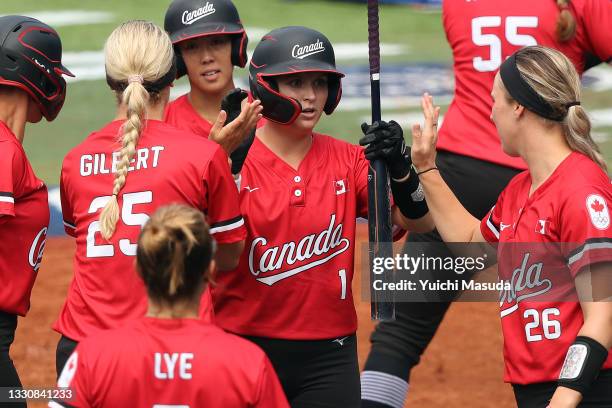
point(228, 255)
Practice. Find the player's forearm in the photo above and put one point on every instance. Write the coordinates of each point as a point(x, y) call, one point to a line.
point(454, 223)
point(597, 322)
point(592, 285)
point(420, 225)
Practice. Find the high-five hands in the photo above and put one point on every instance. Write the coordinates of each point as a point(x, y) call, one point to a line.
point(423, 151)
point(236, 121)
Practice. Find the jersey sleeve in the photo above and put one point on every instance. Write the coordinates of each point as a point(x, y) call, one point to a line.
point(269, 391)
point(222, 202)
point(585, 230)
point(73, 379)
point(67, 213)
point(489, 225)
point(10, 174)
point(597, 20)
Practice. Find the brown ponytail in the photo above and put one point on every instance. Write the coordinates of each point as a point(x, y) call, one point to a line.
point(552, 75)
point(174, 253)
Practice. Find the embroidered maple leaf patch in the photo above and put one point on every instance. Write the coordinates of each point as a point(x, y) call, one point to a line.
point(597, 206)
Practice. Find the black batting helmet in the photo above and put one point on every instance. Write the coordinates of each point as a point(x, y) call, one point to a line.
point(186, 19)
point(290, 50)
point(31, 59)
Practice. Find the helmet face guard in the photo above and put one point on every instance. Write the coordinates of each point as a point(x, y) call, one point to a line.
point(287, 51)
point(30, 59)
point(187, 19)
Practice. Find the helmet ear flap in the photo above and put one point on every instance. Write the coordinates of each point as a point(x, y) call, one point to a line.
point(276, 107)
point(239, 49)
point(334, 94)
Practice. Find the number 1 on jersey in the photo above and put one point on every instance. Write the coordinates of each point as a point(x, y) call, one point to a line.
point(342, 274)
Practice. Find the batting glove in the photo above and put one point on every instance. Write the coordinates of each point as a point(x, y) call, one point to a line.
point(385, 141)
point(231, 104)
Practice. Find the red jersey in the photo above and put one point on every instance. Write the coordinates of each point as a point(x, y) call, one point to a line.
point(170, 166)
point(484, 33)
point(294, 277)
point(181, 114)
point(540, 316)
point(24, 218)
point(169, 363)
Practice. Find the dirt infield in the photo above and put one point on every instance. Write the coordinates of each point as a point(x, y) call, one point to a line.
point(461, 368)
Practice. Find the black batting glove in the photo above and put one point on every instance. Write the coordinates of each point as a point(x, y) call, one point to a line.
point(239, 155)
point(231, 104)
point(385, 141)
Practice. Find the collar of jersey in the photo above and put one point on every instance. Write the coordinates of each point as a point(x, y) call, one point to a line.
point(309, 166)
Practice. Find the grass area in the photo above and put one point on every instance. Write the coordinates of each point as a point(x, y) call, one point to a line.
point(90, 104)
point(340, 21)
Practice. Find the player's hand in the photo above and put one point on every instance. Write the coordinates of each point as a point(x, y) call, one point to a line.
point(385, 141)
point(231, 134)
point(232, 103)
point(423, 152)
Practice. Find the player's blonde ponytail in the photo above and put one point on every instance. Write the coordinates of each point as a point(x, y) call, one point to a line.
point(566, 23)
point(552, 75)
point(174, 253)
point(136, 53)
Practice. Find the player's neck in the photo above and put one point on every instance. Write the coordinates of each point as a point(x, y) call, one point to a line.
point(288, 143)
point(543, 150)
point(154, 112)
point(14, 112)
point(208, 105)
point(177, 310)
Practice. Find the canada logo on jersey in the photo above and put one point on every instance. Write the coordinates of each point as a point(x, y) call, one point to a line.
point(526, 282)
point(273, 263)
point(37, 248)
point(598, 211)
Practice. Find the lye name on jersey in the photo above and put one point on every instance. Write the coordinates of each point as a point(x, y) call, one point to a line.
point(102, 163)
point(270, 264)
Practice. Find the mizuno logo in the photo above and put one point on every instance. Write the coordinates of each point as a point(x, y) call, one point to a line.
point(340, 340)
point(301, 52)
point(190, 17)
point(250, 190)
point(503, 226)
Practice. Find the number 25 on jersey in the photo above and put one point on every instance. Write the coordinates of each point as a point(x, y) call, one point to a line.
point(128, 217)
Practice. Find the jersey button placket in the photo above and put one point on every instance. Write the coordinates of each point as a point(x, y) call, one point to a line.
point(298, 192)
